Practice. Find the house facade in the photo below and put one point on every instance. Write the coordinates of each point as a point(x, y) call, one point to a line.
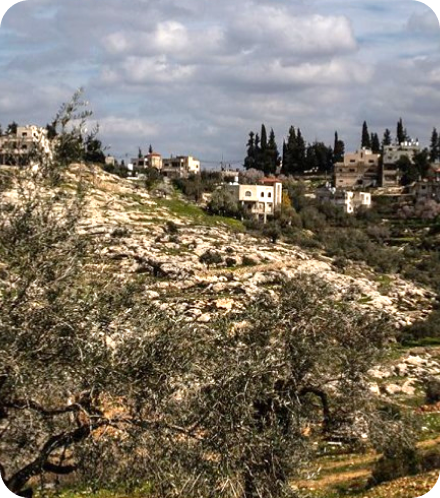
point(259, 201)
point(391, 174)
point(180, 166)
point(26, 146)
point(358, 169)
point(151, 160)
point(349, 200)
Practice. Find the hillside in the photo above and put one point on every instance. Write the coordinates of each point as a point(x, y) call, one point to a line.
point(132, 228)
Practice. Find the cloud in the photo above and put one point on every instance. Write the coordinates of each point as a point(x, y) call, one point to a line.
point(194, 76)
point(275, 31)
point(424, 23)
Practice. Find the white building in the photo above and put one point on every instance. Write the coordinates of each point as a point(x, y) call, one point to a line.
point(350, 201)
point(391, 173)
point(180, 166)
point(258, 200)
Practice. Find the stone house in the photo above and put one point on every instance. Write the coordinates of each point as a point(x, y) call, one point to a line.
point(25, 147)
point(358, 169)
point(180, 166)
point(151, 160)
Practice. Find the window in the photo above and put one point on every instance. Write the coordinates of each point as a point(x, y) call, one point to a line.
point(269, 194)
point(248, 193)
point(262, 194)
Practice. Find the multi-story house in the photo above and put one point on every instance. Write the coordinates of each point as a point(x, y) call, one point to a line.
point(358, 169)
point(27, 145)
point(180, 166)
point(391, 155)
point(259, 201)
point(349, 200)
point(151, 160)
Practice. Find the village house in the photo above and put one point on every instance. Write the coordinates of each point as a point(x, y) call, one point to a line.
point(180, 167)
point(391, 155)
point(259, 201)
point(150, 160)
point(358, 169)
point(425, 190)
point(349, 200)
point(25, 146)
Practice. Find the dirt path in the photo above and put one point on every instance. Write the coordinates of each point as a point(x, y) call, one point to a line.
point(332, 479)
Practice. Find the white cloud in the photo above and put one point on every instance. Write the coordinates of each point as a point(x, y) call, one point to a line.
point(277, 31)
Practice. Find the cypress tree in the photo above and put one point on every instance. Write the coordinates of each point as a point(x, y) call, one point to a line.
point(288, 160)
point(263, 138)
point(249, 161)
point(365, 141)
point(338, 149)
point(375, 144)
point(386, 140)
point(272, 154)
point(401, 135)
point(434, 149)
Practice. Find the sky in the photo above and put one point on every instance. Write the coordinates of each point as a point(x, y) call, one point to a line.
point(194, 77)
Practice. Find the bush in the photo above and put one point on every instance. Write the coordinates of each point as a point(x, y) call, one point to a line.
point(395, 438)
point(210, 258)
point(171, 227)
point(432, 390)
point(230, 262)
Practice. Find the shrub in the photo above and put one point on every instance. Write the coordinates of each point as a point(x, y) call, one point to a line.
point(210, 258)
point(432, 390)
point(248, 261)
point(230, 262)
point(171, 227)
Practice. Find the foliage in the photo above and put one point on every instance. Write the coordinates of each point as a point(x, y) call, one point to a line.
point(394, 437)
point(269, 379)
point(68, 129)
point(432, 389)
point(262, 154)
point(272, 230)
point(210, 258)
point(223, 203)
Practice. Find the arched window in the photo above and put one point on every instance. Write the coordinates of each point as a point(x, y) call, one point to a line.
point(248, 193)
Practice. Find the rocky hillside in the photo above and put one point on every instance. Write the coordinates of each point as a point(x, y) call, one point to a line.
point(165, 237)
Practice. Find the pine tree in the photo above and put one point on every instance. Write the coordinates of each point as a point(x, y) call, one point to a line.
point(365, 142)
point(150, 149)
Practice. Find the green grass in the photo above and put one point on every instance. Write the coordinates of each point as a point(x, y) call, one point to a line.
point(197, 215)
point(432, 423)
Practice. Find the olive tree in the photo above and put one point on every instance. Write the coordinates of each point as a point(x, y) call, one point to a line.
point(85, 361)
point(296, 358)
